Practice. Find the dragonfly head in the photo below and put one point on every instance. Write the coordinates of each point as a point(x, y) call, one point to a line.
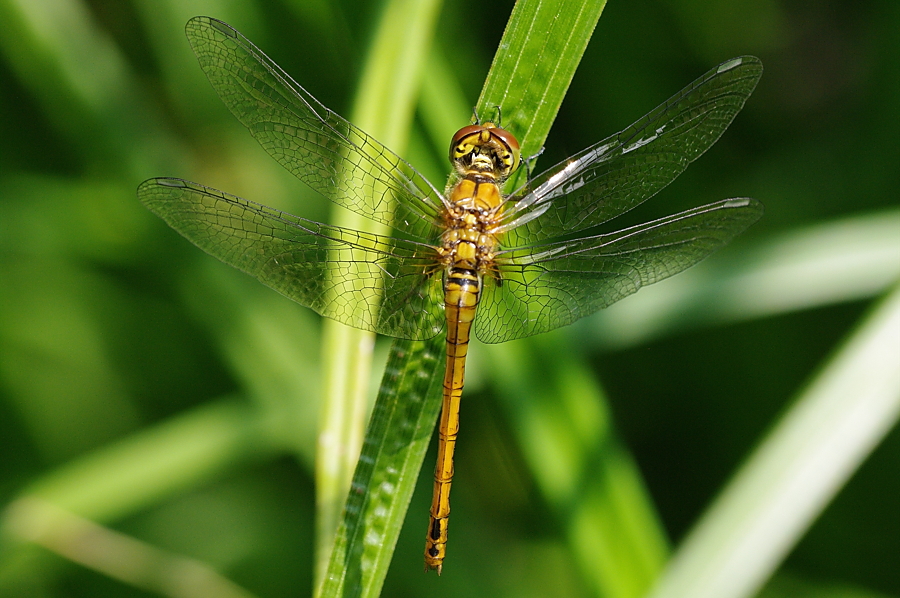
point(486, 149)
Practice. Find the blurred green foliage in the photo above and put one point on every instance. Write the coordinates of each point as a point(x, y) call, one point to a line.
point(150, 389)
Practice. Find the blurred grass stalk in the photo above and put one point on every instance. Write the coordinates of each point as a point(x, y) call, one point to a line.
point(587, 478)
point(114, 554)
point(59, 511)
point(798, 468)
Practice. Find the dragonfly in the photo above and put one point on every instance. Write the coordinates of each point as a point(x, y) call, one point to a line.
point(471, 258)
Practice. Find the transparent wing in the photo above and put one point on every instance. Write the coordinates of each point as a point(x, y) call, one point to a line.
point(366, 281)
point(316, 145)
point(553, 285)
point(621, 172)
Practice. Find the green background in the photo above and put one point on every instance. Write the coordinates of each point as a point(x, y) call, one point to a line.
point(113, 328)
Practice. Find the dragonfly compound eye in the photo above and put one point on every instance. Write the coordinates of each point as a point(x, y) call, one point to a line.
point(507, 141)
point(464, 142)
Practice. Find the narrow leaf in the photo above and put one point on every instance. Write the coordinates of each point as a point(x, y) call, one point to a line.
point(810, 454)
point(395, 445)
point(384, 108)
point(534, 65)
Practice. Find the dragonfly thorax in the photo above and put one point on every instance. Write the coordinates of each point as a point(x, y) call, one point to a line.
point(468, 241)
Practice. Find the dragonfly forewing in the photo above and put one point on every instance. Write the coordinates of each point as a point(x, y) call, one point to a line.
point(316, 145)
point(552, 285)
point(624, 170)
point(372, 282)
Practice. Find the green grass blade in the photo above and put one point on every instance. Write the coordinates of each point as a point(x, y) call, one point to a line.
point(540, 50)
point(812, 451)
point(111, 553)
point(65, 509)
point(396, 440)
point(384, 108)
point(587, 477)
point(122, 478)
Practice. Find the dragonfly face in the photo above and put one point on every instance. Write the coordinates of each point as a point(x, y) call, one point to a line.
point(510, 266)
point(485, 149)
